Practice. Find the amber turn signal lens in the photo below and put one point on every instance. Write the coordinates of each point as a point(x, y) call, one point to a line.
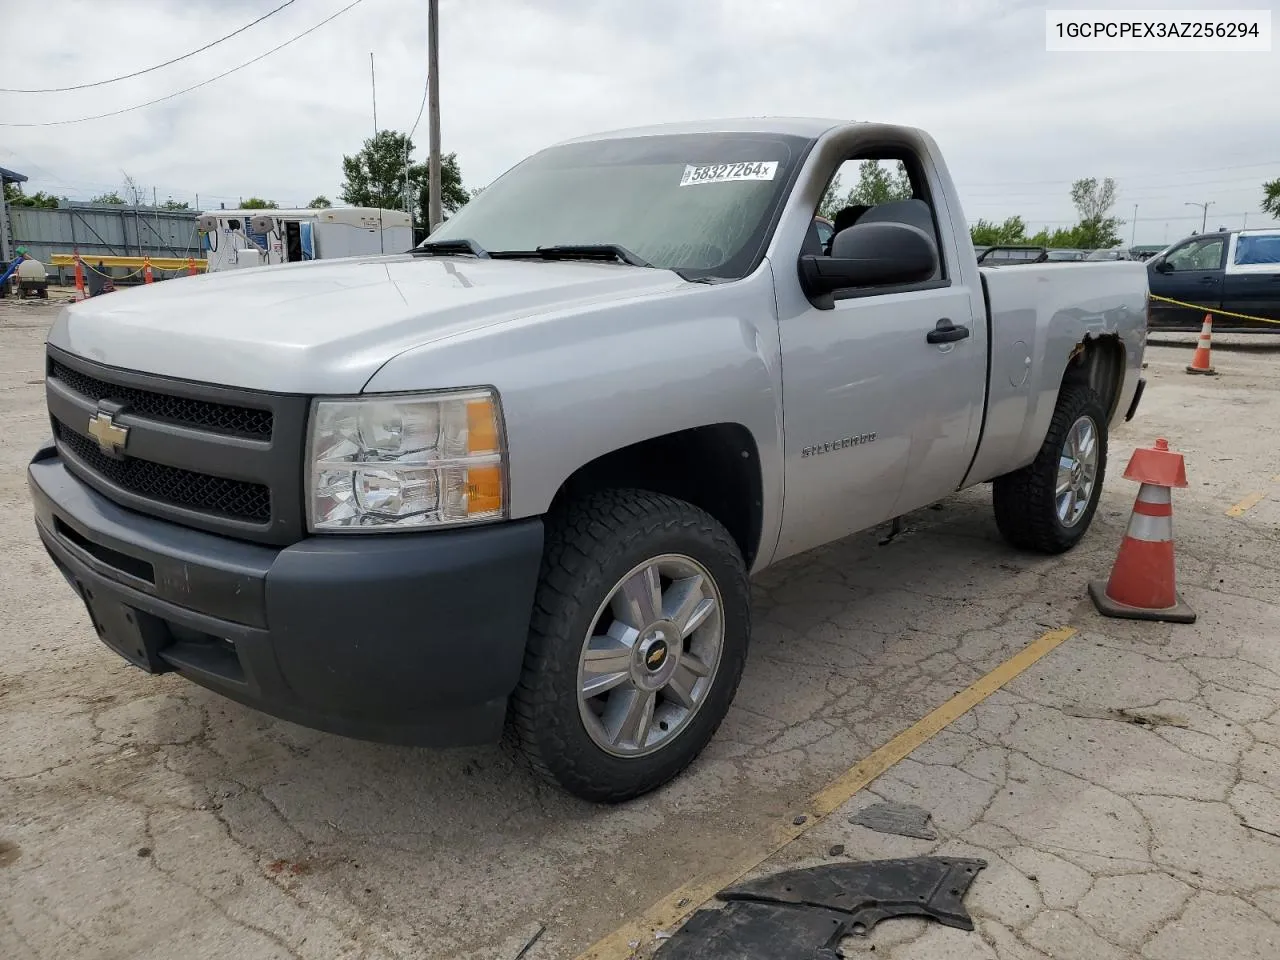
point(484, 489)
point(482, 427)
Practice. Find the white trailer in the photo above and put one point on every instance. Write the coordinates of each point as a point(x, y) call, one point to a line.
point(254, 238)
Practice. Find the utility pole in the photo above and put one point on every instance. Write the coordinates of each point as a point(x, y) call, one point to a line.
point(408, 207)
point(373, 85)
point(155, 209)
point(1204, 212)
point(1133, 235)
point(433, 113)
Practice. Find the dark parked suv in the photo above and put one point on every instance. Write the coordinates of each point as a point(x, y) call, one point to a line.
point(1224, 273)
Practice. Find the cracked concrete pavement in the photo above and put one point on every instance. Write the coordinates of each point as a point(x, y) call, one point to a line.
point(1125, 789)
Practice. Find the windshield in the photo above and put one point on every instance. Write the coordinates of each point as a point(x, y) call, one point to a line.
point(700, 204)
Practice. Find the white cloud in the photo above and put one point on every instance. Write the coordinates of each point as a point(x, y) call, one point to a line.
point(1017, 123)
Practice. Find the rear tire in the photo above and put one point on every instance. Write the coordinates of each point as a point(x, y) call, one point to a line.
point(653, 715)
point(1032, 512)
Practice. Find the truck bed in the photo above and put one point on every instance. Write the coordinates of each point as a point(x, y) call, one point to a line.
point(1070, 301)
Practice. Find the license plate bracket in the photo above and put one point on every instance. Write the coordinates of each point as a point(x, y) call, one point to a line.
point(133, 634)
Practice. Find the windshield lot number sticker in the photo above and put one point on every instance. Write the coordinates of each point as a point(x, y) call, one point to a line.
point(724, 172)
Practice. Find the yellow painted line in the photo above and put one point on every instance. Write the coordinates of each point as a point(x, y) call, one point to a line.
point(668, 912)
point(1248, 503)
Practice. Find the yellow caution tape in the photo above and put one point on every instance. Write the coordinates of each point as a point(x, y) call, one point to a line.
point(109, 276)
point(169, 264)
point(1214, 310)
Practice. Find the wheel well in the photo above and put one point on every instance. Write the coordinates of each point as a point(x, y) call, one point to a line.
point(716, 468)
point(1098, 362)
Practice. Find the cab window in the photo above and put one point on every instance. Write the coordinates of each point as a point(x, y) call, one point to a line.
point(882, 186)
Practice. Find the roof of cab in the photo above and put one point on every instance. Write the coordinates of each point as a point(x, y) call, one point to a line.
point(812, 127)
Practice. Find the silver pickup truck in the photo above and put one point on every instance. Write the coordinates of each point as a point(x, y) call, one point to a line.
point(519, 476)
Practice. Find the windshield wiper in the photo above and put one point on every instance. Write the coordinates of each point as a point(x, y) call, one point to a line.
point(435, 248)
point(591, 251)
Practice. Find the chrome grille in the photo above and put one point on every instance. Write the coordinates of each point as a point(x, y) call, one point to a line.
point(222, 459)
point(182, 488)
point(201, 414)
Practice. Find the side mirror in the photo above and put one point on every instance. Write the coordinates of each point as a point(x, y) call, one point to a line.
point(1163, 266)
point(870, 255)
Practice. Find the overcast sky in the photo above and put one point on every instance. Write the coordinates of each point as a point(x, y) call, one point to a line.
point(1016, 123)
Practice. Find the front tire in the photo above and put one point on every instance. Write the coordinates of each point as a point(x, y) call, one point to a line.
point(637, 642)
point(1048, 505)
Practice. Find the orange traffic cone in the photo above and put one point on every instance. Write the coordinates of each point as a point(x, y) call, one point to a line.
point(79, 278)
point(1200, 363)
point(1142, 584)
point(146, 270)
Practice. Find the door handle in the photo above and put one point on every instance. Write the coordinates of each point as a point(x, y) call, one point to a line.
point(1208, 279)
point(947, 332)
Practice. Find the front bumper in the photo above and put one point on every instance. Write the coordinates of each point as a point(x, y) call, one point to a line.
point(413, 638)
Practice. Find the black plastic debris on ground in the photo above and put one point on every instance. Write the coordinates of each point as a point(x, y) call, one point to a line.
point(805, 914)
point(901, 819)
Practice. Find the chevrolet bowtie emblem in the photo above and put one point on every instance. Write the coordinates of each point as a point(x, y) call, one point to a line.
point(111, 438)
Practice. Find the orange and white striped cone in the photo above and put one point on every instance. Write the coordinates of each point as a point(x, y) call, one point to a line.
point(1202, 362)
point(1143, 584)
point(146, 270)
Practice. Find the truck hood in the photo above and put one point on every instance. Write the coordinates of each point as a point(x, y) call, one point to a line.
point(326, 327)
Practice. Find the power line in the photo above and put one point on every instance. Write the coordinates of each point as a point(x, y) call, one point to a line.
point(425, 88)
point(194, 86)
point(1034, 183)
point(138, 73)
point(1245, 183)
point(1033, 219)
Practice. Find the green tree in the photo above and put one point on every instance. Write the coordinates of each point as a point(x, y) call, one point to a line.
point(833, 200)
point(1069, 237)
point(113, 198)
point(987, 233)
point(375, 176)
point(257, 203)
point(1271, 198)
point(172, 204)
point(321, 202)
point(878, 183)
point(16, 198)
point(1093, 200)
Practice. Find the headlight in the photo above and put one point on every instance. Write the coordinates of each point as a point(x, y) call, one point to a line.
point(407, 461)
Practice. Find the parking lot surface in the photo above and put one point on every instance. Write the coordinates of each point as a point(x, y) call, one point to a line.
point(1124, 788)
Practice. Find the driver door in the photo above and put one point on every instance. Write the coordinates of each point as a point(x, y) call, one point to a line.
point(878, 420)
point(1191, 272)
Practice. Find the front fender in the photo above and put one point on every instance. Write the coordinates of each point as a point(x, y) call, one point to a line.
point(581, 383)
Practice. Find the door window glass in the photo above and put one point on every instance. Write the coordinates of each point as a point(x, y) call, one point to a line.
point(1198, 255)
